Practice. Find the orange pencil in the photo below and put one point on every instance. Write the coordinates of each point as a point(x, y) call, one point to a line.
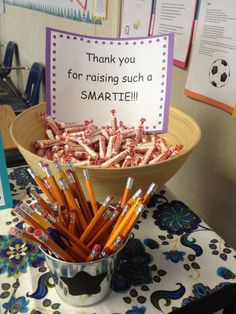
point(104, 218)
point(102, 233)
point(50, 218)
point(21, 234)
point(90, 191)
point(30, 212)
point(72, 222)
point(127, 229)
point(43, 237)
point(62, 214)
point(127, 191)
point(38, 208)
point(61, 172)
point(126, 208)
point(89, 230)
point(151, 190)
point(52, 181)
point(28, 219)
point(73, 204)
point(76, 187)
point(41, 184)
point(72, 238)
point(122, 225)
point(94, 255)
point(76, 243)
point(50, 190)
point(41, 201)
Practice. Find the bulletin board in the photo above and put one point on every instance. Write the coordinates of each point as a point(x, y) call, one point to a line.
point(78, 10)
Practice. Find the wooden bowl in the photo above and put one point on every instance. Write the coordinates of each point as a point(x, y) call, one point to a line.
point(29, 127)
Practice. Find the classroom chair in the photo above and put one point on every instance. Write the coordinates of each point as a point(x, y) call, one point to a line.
point(30, 96)
point(6, 86)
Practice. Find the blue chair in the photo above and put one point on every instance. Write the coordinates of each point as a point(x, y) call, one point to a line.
point(6, 67)
point(30, 97)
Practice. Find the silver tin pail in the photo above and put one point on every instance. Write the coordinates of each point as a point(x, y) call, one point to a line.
point(82, 284)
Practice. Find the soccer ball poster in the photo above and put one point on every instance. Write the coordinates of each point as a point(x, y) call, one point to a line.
point(212, 71)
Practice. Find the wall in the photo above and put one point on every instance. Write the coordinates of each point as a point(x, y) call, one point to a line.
point(207, 181)
point(27, 28)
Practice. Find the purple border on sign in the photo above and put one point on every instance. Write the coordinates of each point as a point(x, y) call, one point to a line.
point(168, 81)
point(48, 70)
point(170, 37)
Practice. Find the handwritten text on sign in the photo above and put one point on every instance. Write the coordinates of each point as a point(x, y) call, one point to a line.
point(88, 77)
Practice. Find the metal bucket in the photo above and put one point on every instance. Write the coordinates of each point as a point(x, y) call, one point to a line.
point(82, 284)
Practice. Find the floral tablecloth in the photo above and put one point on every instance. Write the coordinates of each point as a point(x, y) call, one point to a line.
point(173, 259)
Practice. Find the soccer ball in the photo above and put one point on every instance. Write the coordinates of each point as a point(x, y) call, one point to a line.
point(219, 73)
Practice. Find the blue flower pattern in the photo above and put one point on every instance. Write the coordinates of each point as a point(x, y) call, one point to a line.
point(175, 256)
point(17, 305)
point(176, 242)
point(16, 255)
point(176, 218)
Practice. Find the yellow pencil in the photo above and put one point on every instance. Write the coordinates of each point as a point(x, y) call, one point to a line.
point(122, 225)
point(127, 191)
point(88, 233)
point(90, 191)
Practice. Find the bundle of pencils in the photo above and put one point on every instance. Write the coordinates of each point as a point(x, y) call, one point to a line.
point(64, 224)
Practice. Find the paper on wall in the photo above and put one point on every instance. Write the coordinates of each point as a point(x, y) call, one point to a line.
point(212, 72)
point(135, 18)
point(177, 16)
point(99, 9)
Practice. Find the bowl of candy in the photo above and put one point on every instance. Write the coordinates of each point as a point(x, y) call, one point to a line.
point(112, 153)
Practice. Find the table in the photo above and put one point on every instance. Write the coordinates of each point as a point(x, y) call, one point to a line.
point(175, 264)
point(7, 116)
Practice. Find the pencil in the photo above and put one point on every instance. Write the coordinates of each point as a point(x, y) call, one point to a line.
point(52, 181)
point(61, 172)
point(126, 208)
point(126, 231)
point(65, 245)
point(42, 237)
point(76, 187)
point(96, 250)
point(71, 201)
point(41, 184)
point(90, 191)
point(72, 222)
point(72, 238)
point(128, 188)
point(122, 225)
point(89, 230)
point(28, 219)
point(40, 200)
point(103, 231)
point(30, 212)
point(21, 234)
point(75, 242)
point(147, 196)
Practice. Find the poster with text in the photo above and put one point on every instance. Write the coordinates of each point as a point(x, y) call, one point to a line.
point(177, 16)
point(212, 72)
point(87, 77)
point(5, 193)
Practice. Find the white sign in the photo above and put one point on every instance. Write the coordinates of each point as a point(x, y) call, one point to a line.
point(87, 77)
